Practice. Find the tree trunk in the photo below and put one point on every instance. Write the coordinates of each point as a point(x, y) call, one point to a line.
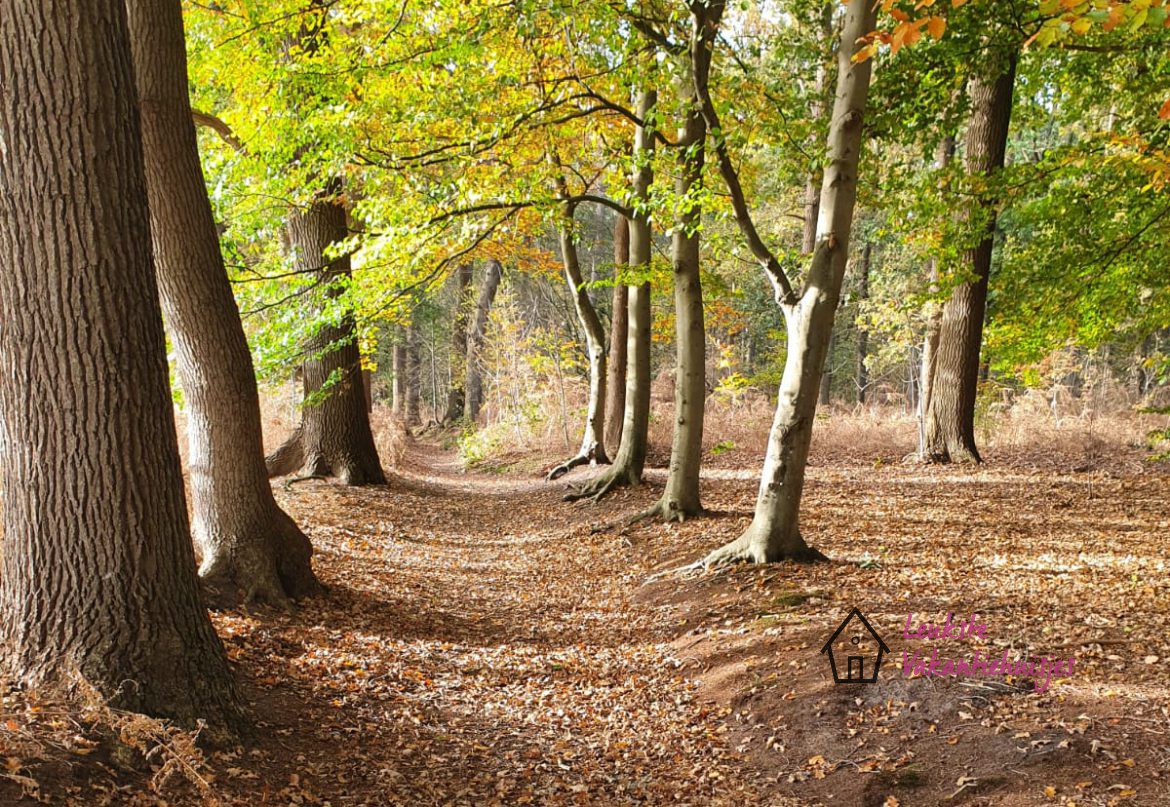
point(825, 391)
point(681, 497)
point(862, 333)
point(251, 549)
point(946, 151)
point(592, 448)
point(98, 577)
point(473, 400)
point(413, 378)
point(398, 388)
point(631, 457)
point(458, 345)
point(950, 419)
point(619, 328)
point(334, 438)
point(774, 533)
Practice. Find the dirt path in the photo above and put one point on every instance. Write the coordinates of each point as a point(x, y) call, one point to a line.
point(479, 646)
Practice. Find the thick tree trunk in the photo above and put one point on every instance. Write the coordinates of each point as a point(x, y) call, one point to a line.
point(251, 549)
point(631, 457)
point(616, 384)
point(412, 415)
point(592, 450)
point(458, 345)
point(774, 533)
point(473, 399)
point(334, 438)
point(98, 576)
point(946, 151)
point(950, 419)
point(681, 497)
point(863, 333)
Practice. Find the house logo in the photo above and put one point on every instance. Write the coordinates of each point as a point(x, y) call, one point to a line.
point(856, 646)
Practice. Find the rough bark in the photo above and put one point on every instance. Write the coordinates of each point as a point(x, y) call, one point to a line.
point(950, 418)
point(592, 450)
point(455, 393)
point(334, 438)
point(774, 533)
point(98, 575)
point(863, 333)
point(681, 497)
point(473, 398)
point(946, 151)
point(631, 457)
point(251, 549)
point(412, 415)
point(619, 327)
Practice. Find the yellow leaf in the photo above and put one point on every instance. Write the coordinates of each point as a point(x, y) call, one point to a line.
point(1050, 792)
point(936, 26)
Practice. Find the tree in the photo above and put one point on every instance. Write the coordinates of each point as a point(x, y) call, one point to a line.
point(473, 398)
point(455, 394)
point(334, 438)
point(251, 549)
point(618, 330)
point(954, 377)
point(681, 496)
point(630, 461)
point(592, 448)
point(774, 532)
point(862, 333)
point(98, 569)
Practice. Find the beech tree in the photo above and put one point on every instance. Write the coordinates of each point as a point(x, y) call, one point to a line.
point(473, 396)
point(98, 568)
point(615, 386)
point(251, 549)
point(774, 532)
point(630, 461)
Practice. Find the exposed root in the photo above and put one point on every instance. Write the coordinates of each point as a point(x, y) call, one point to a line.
point(665, 510)
point(752, 548)
point(565, 467)
point(597, 489)
point(292, 480)
point(288, 458)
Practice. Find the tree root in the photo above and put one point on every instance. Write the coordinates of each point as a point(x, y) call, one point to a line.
point(747, 549)
point(288, 458)
point(598, 488)
point(565, 467)
point(667, 511)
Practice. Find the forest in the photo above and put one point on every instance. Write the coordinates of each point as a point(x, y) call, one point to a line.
point(585, 402)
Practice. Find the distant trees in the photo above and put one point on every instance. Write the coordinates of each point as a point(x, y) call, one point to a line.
point(99, 575)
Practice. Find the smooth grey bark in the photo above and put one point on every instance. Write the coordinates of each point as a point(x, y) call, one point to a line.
point(398, 382)
point(630, 461)
point(334, 438)
point(774, 532)
point(592, 450)
point(950, 418)
point(619, 327)
point(473, 398)
point(455, 393)
point(412, 415)
point(251, 549)
point(943, 157)
point(681, 496)
point(863, 333)
point(98, 578)
point(825, 394)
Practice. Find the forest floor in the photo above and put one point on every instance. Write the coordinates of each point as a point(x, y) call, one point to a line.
point(483, 643)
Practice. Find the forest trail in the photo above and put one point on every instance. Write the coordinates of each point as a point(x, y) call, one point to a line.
point(479, 646)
